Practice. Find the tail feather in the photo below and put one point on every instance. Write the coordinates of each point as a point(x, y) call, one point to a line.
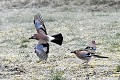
point(100, 56)
point(58, 39)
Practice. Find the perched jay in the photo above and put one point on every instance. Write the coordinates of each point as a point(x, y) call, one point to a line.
point(42, 48)
point(91, 47)
point(86, 55)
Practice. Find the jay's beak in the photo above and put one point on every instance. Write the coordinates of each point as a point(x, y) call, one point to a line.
point(72, 52)
point(32, 37)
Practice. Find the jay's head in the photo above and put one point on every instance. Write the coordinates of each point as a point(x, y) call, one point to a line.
point(35, 36)
point(75, 52)
point(93, 42)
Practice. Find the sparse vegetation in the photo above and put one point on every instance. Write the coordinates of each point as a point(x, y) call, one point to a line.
point(23, 46)
point(57, 76)
point(118, 68)
point(24, 40)
point(23, 43)
point(117, 35)
point(49, 19)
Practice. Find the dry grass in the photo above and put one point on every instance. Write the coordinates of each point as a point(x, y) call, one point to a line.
point(19, 62)
point(84, 5)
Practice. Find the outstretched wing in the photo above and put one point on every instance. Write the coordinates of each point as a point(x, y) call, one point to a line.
point(39, 23)
point(40, 27)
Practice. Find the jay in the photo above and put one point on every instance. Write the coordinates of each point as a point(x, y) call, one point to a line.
point(42, 48)
point(91, 47)
point(86, 55)
point(88, 52)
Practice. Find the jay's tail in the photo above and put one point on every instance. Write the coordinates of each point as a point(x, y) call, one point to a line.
point(100, 56)
point(58, 39)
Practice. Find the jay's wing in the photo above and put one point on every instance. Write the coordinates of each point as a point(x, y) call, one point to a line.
point(42, 51)
point(39, 23)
